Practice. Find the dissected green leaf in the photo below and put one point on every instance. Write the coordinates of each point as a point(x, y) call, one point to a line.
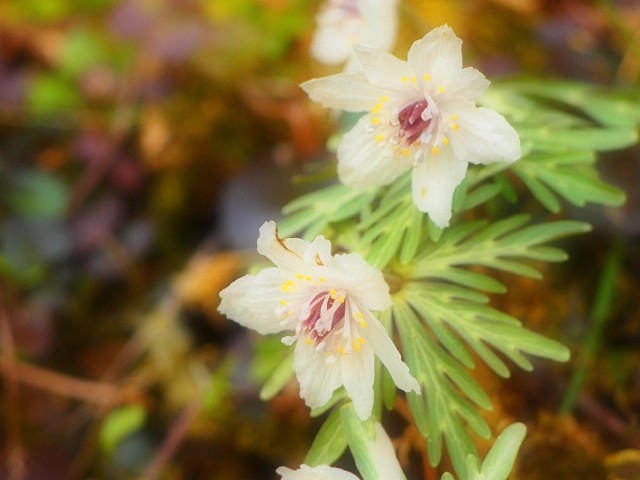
point(312, 213)
point(501, 245)
point(500, 459)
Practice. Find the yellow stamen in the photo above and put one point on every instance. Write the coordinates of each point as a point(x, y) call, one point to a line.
point(404, 152)
point(308, 341)
point(375, 120)
point(435, 150)
point(403, 79)
point(427, 77)
point(363, 324)
point(440, 89)
point(445, 141)
point(455, 127)
point(284, 303)
point(379, 137)
point(423, 192)
point(287, 286)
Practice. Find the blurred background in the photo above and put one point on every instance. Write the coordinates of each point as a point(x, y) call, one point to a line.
point(142, 144)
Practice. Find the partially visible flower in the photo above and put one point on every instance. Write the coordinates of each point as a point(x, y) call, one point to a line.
point(326, 301)
point(380, 452)
point(420, 114)
point(342, 23)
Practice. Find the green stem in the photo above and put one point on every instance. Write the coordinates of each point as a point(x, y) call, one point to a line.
point(600, 314)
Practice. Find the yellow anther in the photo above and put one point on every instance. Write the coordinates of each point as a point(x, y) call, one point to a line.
point(403, 78)
point(308, 341)
point(427, 77)
point(440, 89)
point(376, 108)
point(375, 120)
point(359, 315)
point(384, 98)
point(341, 350)
point(404, 152)
point(363, 324)
point(287, 286)
point(379, 137)
point(341, 298)
point(356, 346)
point(454, 116)
point(361, 340)
point(283, 302)
point(445, 141)
point(413, 79)
point(321, 279)
point(455, 127)
point(423, 192)
point(435, 150)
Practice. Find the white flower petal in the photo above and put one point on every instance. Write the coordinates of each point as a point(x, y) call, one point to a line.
point(383, 69)
point(362, 161)
point(380, 17)
point(345, 91)
point(357, 369)
point(321, 472)
point(484, 136)
point(438, 54)
point(252, 300)
point(384, 455)
point(433, 184)
point(329, 45)
point(291, 254)
point(365, 284)
point(318, 378)
point(376, 335)
point(467, 84)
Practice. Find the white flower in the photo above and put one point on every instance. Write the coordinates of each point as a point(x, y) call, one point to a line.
point(342, 23)
point(380, 451)
point(326, 301)
point(420, 114)
point(321, 472)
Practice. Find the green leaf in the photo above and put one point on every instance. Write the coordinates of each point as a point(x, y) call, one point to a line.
point(330, 442)
point(313, 212)
point(35, 193)
point(568, 174)
point(500, 459)
point(119, 424)
point(50, 94)
point(502, 245)
point(440, 411)
point(279, 378)
point(81, 50)
point(361, 437)
point(394, 226)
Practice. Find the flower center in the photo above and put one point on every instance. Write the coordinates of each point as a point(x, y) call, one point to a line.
point(325, 312)
point(414, 119)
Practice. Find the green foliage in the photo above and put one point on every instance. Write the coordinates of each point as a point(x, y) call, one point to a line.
point(119, 424)
point(330, 442)
point(442, 277)
point(34, 193)
point(562, 125)
point(499, 461)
